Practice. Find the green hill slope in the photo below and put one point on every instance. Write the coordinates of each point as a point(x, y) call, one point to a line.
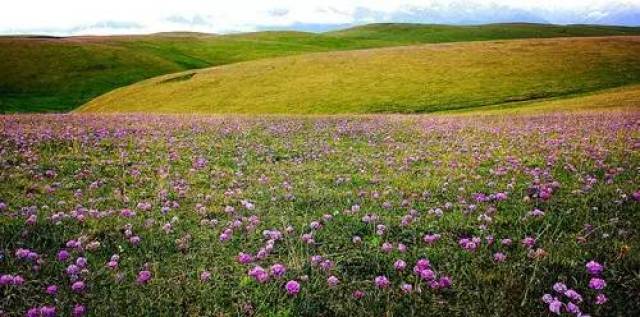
point(59, 74)
point(408, 79)
point(625, 98)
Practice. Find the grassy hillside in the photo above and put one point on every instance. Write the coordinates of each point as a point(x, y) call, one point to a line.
point(408, 79)
point(59, 74)
point(618, 99)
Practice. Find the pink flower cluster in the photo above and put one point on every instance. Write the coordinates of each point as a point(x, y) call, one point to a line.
point(568, 300)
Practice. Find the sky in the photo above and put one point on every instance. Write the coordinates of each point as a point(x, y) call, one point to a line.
point(82, 17)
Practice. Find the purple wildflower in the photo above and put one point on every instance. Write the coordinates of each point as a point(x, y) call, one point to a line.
point(573, 295)
point(358, 294)
point(594, 268)
point(63, 255)
point(333, 281)
point(506, 242)
point(205, 276)
point(79, 310)
point(423, 264)
point(427, 274)
point(555, 306)
point(81, 262)
point(143, 277)
point(31, 220)
point(470, 244)
point(560, 287)
point(499, 257)
point(316, 259)
point(112, 264)
point(78, 286)
point(244, 258)
point(73, 269)
point(22, 253)
point(308, 238)
point(6, 279)
point(601, 299)
point(381, 281)
point(597, 283)
point(33, 312)
point(326, 265)
point(278, 270)
point(573, 308)
point(536, 213)
point(127, 213)
point(224, 237)
point(528, 242)
point(400, 265)
point(292, 287)
point(501, 196)
point(18, 280)
point(47, 311)
point(445, 282)
point(431, 238)
point(51, 289)
point(259, 274)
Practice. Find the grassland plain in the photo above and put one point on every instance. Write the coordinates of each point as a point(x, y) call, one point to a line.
point(408, 79)
point(44, 74)
point(306, 216)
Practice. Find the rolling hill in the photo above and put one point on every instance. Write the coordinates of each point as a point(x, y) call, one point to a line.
point(49, 74)
point(408, 79)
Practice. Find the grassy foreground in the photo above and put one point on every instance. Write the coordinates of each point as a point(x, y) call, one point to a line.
point(336, 216)
point(59, 74)
point(410, 79)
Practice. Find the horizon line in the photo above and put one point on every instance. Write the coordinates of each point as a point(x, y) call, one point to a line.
point(330, 28)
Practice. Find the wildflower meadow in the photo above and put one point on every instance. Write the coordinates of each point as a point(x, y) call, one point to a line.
point(522, 215)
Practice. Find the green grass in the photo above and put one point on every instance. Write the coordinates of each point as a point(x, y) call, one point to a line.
point(409, 79)
point(59, 74)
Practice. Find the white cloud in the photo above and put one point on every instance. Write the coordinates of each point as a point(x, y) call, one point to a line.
point(64, 17)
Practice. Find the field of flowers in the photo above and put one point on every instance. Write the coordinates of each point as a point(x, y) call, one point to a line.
point(334, 216)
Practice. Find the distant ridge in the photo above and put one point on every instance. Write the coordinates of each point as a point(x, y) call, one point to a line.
point(183, 34)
